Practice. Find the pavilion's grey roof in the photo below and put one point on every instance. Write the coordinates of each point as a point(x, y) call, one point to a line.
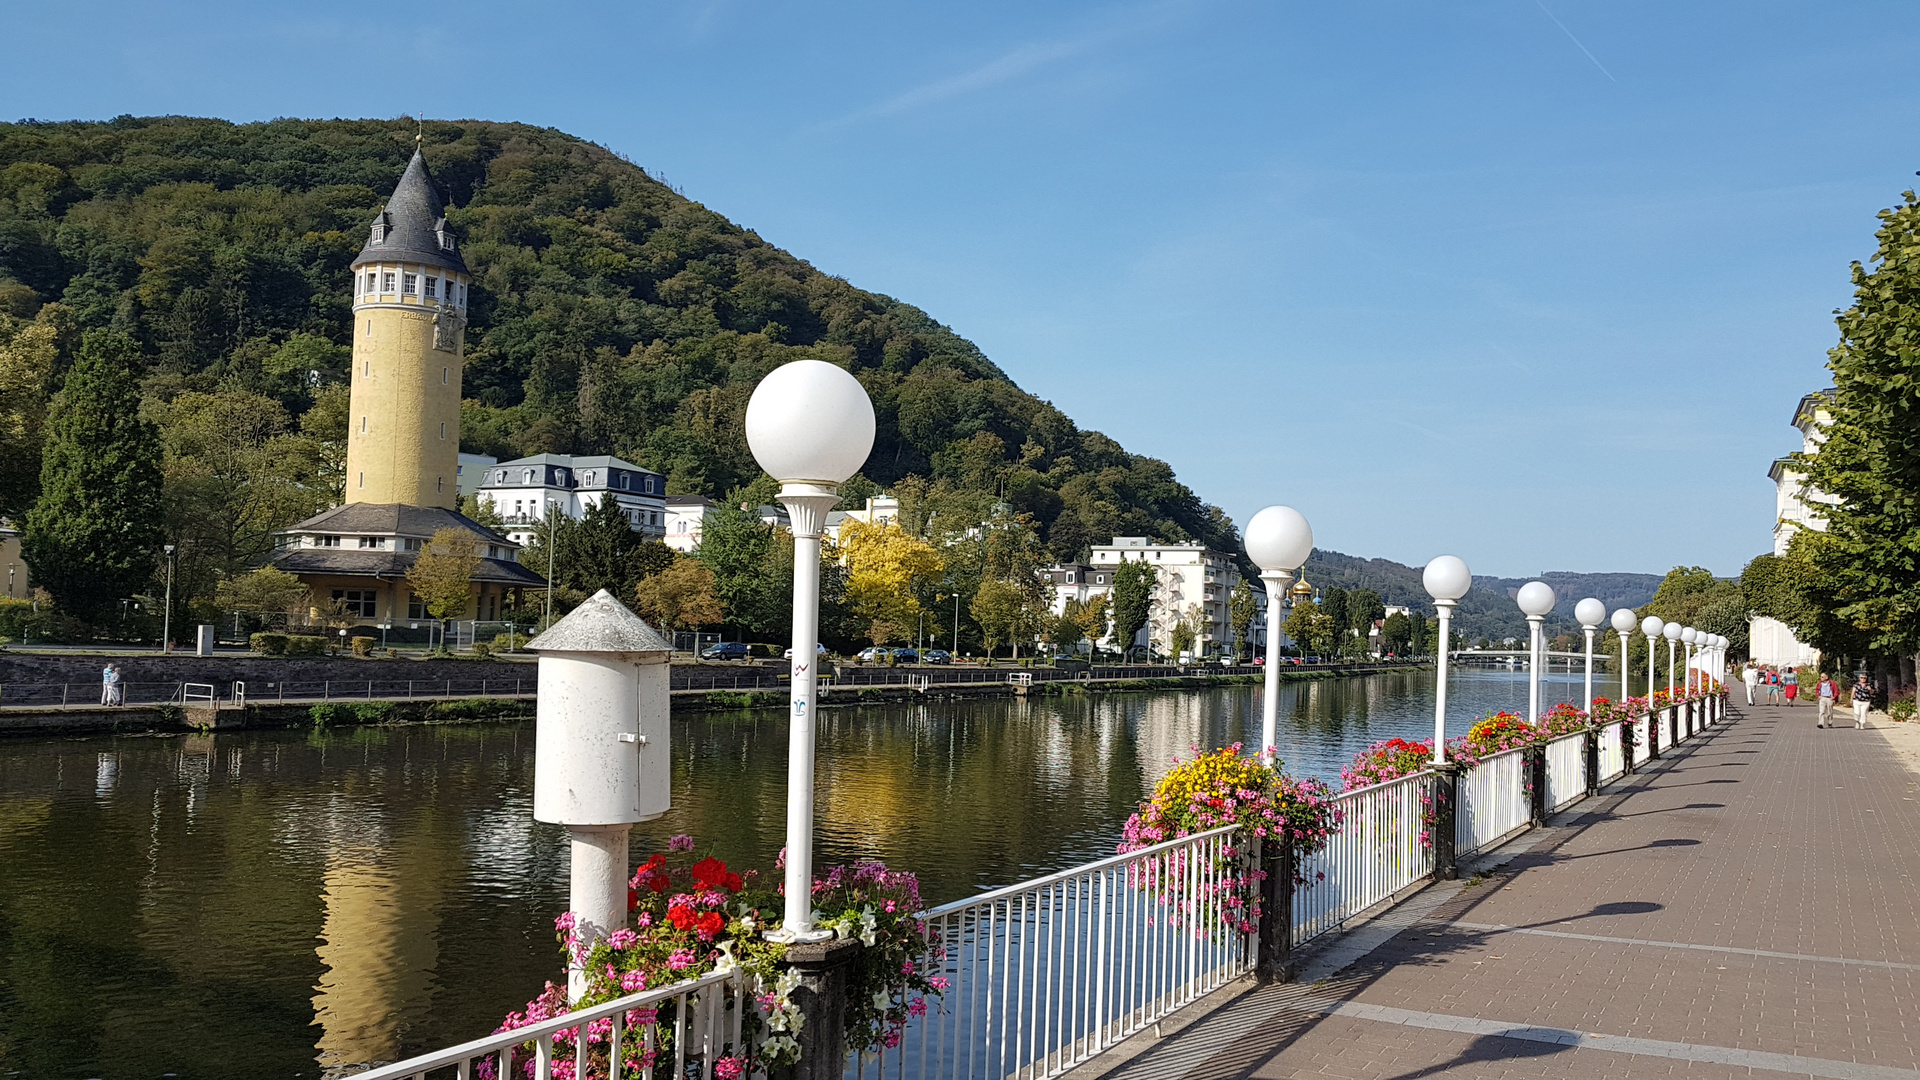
point(602, 624)
point(392, 565)
point(412, 227)
point(393, 519)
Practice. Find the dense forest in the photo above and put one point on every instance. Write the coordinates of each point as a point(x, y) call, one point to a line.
point(610, 314)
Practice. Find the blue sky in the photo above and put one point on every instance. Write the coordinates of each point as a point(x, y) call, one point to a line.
point(1535, 282)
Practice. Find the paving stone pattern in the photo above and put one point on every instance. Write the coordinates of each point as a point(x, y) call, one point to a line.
point(1745, 906)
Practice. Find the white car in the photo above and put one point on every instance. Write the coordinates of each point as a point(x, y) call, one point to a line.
point(818, 650)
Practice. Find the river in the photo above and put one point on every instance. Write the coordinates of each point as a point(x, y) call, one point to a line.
point(286, 903)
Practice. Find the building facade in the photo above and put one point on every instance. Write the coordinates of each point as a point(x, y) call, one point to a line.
point(524, 490)
point(687, 520)
point(1771, 641)
point(1194, 583)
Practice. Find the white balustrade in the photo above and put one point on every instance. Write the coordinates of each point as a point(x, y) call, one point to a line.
point(1566, 770)
point(1383, 846)
point(1492, 801)
point(1613, 759)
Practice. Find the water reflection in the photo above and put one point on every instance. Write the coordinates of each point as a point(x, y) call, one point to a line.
point(248, 904)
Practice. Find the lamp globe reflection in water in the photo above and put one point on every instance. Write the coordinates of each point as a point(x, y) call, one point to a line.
point(1623, 624)
point(1447, 579)
point(1590, 613)
point(1535, 600)
point(810, 426)
point(1278, 541)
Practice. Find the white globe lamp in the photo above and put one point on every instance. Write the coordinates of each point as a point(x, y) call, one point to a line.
point(1278, 541)
point(1623, 624)
point(810, 425)
point(1590, 613)
point(1535, 599)
point(1447, 579)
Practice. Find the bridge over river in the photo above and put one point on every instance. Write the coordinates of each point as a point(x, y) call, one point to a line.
point(1745, 905)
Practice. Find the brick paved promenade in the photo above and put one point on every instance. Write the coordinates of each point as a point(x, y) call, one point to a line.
point(1744, 906)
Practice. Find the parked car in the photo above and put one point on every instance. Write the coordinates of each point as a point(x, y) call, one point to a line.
point(937, 656)
point(818, 650)
point(727, 650)
point(906, 656)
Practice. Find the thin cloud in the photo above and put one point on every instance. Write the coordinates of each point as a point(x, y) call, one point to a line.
point(1575, 40)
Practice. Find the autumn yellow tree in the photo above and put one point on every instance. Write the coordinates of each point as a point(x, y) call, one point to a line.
point(681, 597)
point(887, 568)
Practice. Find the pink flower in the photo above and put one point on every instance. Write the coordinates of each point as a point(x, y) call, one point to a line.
point(730, 1068)
point(564, 922)
point(622, 938)
point(633, 981)
point(682, 842)
point(681, 959)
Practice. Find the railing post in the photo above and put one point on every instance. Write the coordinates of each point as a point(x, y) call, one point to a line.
point(1537, 783)
point(821, 998)
point(1593, 760)
point(1446, 791)
point(1273, 960)
point(1655, 718)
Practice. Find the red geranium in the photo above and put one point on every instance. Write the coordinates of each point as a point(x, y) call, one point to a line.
point(681, 916)
point(711, 873)
point(709, 924)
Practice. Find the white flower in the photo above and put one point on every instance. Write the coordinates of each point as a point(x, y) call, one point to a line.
point(882, 999)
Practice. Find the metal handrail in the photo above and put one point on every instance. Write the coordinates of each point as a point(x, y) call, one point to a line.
point(542, 1033)
point(1005, 891)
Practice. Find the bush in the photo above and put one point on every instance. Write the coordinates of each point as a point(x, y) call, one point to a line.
point(478, 709)
point(482, 650)
point(511, 642)
point(327, 714)
point(1900, 706)
point(373, 712)
point(764, 651)
point(305, 645)
point(268, 644)
point(363, 646)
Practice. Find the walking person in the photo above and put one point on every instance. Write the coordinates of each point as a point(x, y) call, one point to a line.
point(106, 685)
point(1750, 676)
point(1826, 695)
point(1790, 684)
point(116, 690)
point(1862, 699)
point(1773, 686)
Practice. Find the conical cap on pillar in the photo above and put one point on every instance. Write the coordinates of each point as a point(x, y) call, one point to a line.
point(601, 625)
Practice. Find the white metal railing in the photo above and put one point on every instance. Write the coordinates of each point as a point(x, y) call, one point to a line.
point(1021, 678)
point(1642, 728)
point(1382, 847)
point(1664, 729)
point(196, 693)
point(1613, 760)
point(700, 1017)
point(1566, 769)
point(1492, 801)
point(1046, 974)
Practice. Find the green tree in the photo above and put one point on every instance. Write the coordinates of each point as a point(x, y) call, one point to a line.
point(602, 551)
point(1313, 631)
point(31, 352)
point(1866, 564)
point(267, 590)
point(741, 552)
point(1133, 583)
point(94, 534)
point(1363, 608)
point(442, 574)
point(1243, 607)
point(1089, 615)
point(1333, 604)
point(1421, 634)
point(681, 597)
point(1396, 633)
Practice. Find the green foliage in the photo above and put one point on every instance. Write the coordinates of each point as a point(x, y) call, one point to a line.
point(1333, 604)
point(268, 643)
point(478, 709)
point(609, 314)
point(306, 645)
point(602, 551)
point(1242, 607)
point(94, 534)
point(1363, 607)
point(267, 589)
point(1865, 566)
point(363, 646)
point(327, 714)
point(1133, 583)
point(1396, 634)
point(1691, 595)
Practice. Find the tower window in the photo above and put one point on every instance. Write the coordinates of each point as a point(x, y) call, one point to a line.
point(443, 376)
point(433, 285)
point(366, 369)
point(439, 483)
point(408, 283)
point(363, 481)
point(363, 425)
point(443, 430)
point(386, 281)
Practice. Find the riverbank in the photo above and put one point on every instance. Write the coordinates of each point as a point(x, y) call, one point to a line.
point(345, 712)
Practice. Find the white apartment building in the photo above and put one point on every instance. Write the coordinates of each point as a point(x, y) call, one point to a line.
point(521, 491)
point(1192, 580)
point(880, 510)
point(1772, 642)
point(687, 519)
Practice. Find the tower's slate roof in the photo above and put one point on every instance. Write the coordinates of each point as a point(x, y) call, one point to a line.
point(412, 227)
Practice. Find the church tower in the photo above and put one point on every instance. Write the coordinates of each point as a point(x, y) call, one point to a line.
point(409, 314)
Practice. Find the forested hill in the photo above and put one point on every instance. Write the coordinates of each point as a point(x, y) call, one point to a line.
point(610, 314)
point(1488, 610)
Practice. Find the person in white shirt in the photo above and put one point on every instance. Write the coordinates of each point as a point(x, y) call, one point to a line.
point(1751, 677)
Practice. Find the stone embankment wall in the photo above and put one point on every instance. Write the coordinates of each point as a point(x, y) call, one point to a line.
point(21, 667)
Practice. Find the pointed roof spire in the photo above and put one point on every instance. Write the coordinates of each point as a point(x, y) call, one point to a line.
point(412, 227)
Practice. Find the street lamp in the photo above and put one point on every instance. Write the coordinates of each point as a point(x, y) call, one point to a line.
point(1447, 579)
point(1689, 638)
point(1623, 624)
point(1536, 599)
point(166, 617)
point(1590, 613)
point(1652, 626)
point(810, 426)
point(1278, 541)
point(1671, 631)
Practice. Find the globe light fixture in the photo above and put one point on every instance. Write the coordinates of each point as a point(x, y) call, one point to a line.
point(1623, 624)
point(810, 425)
point(1654, 627)
point(1447, 579)
point(1278, 540)
point(1535, 599)
point(1590, 613)
point(1671, 631)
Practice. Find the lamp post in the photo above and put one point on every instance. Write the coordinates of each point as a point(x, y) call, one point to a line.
point(1447, 579)
point(810, 426)
point(1671, 631)
point(1689, 640)
point(166, 616)
point(1590, 613)
point(1652, 626)
point(1536, 599)
point(1278, 541)
point(1623, 624)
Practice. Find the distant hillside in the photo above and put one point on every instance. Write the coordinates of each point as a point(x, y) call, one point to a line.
point(609, 313)
point(1488, 609)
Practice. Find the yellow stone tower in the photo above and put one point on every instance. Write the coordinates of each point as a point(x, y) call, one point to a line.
point(409, 329)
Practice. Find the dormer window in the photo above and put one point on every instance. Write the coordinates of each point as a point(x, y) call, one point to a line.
point(526, 476)
point(379, 233)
